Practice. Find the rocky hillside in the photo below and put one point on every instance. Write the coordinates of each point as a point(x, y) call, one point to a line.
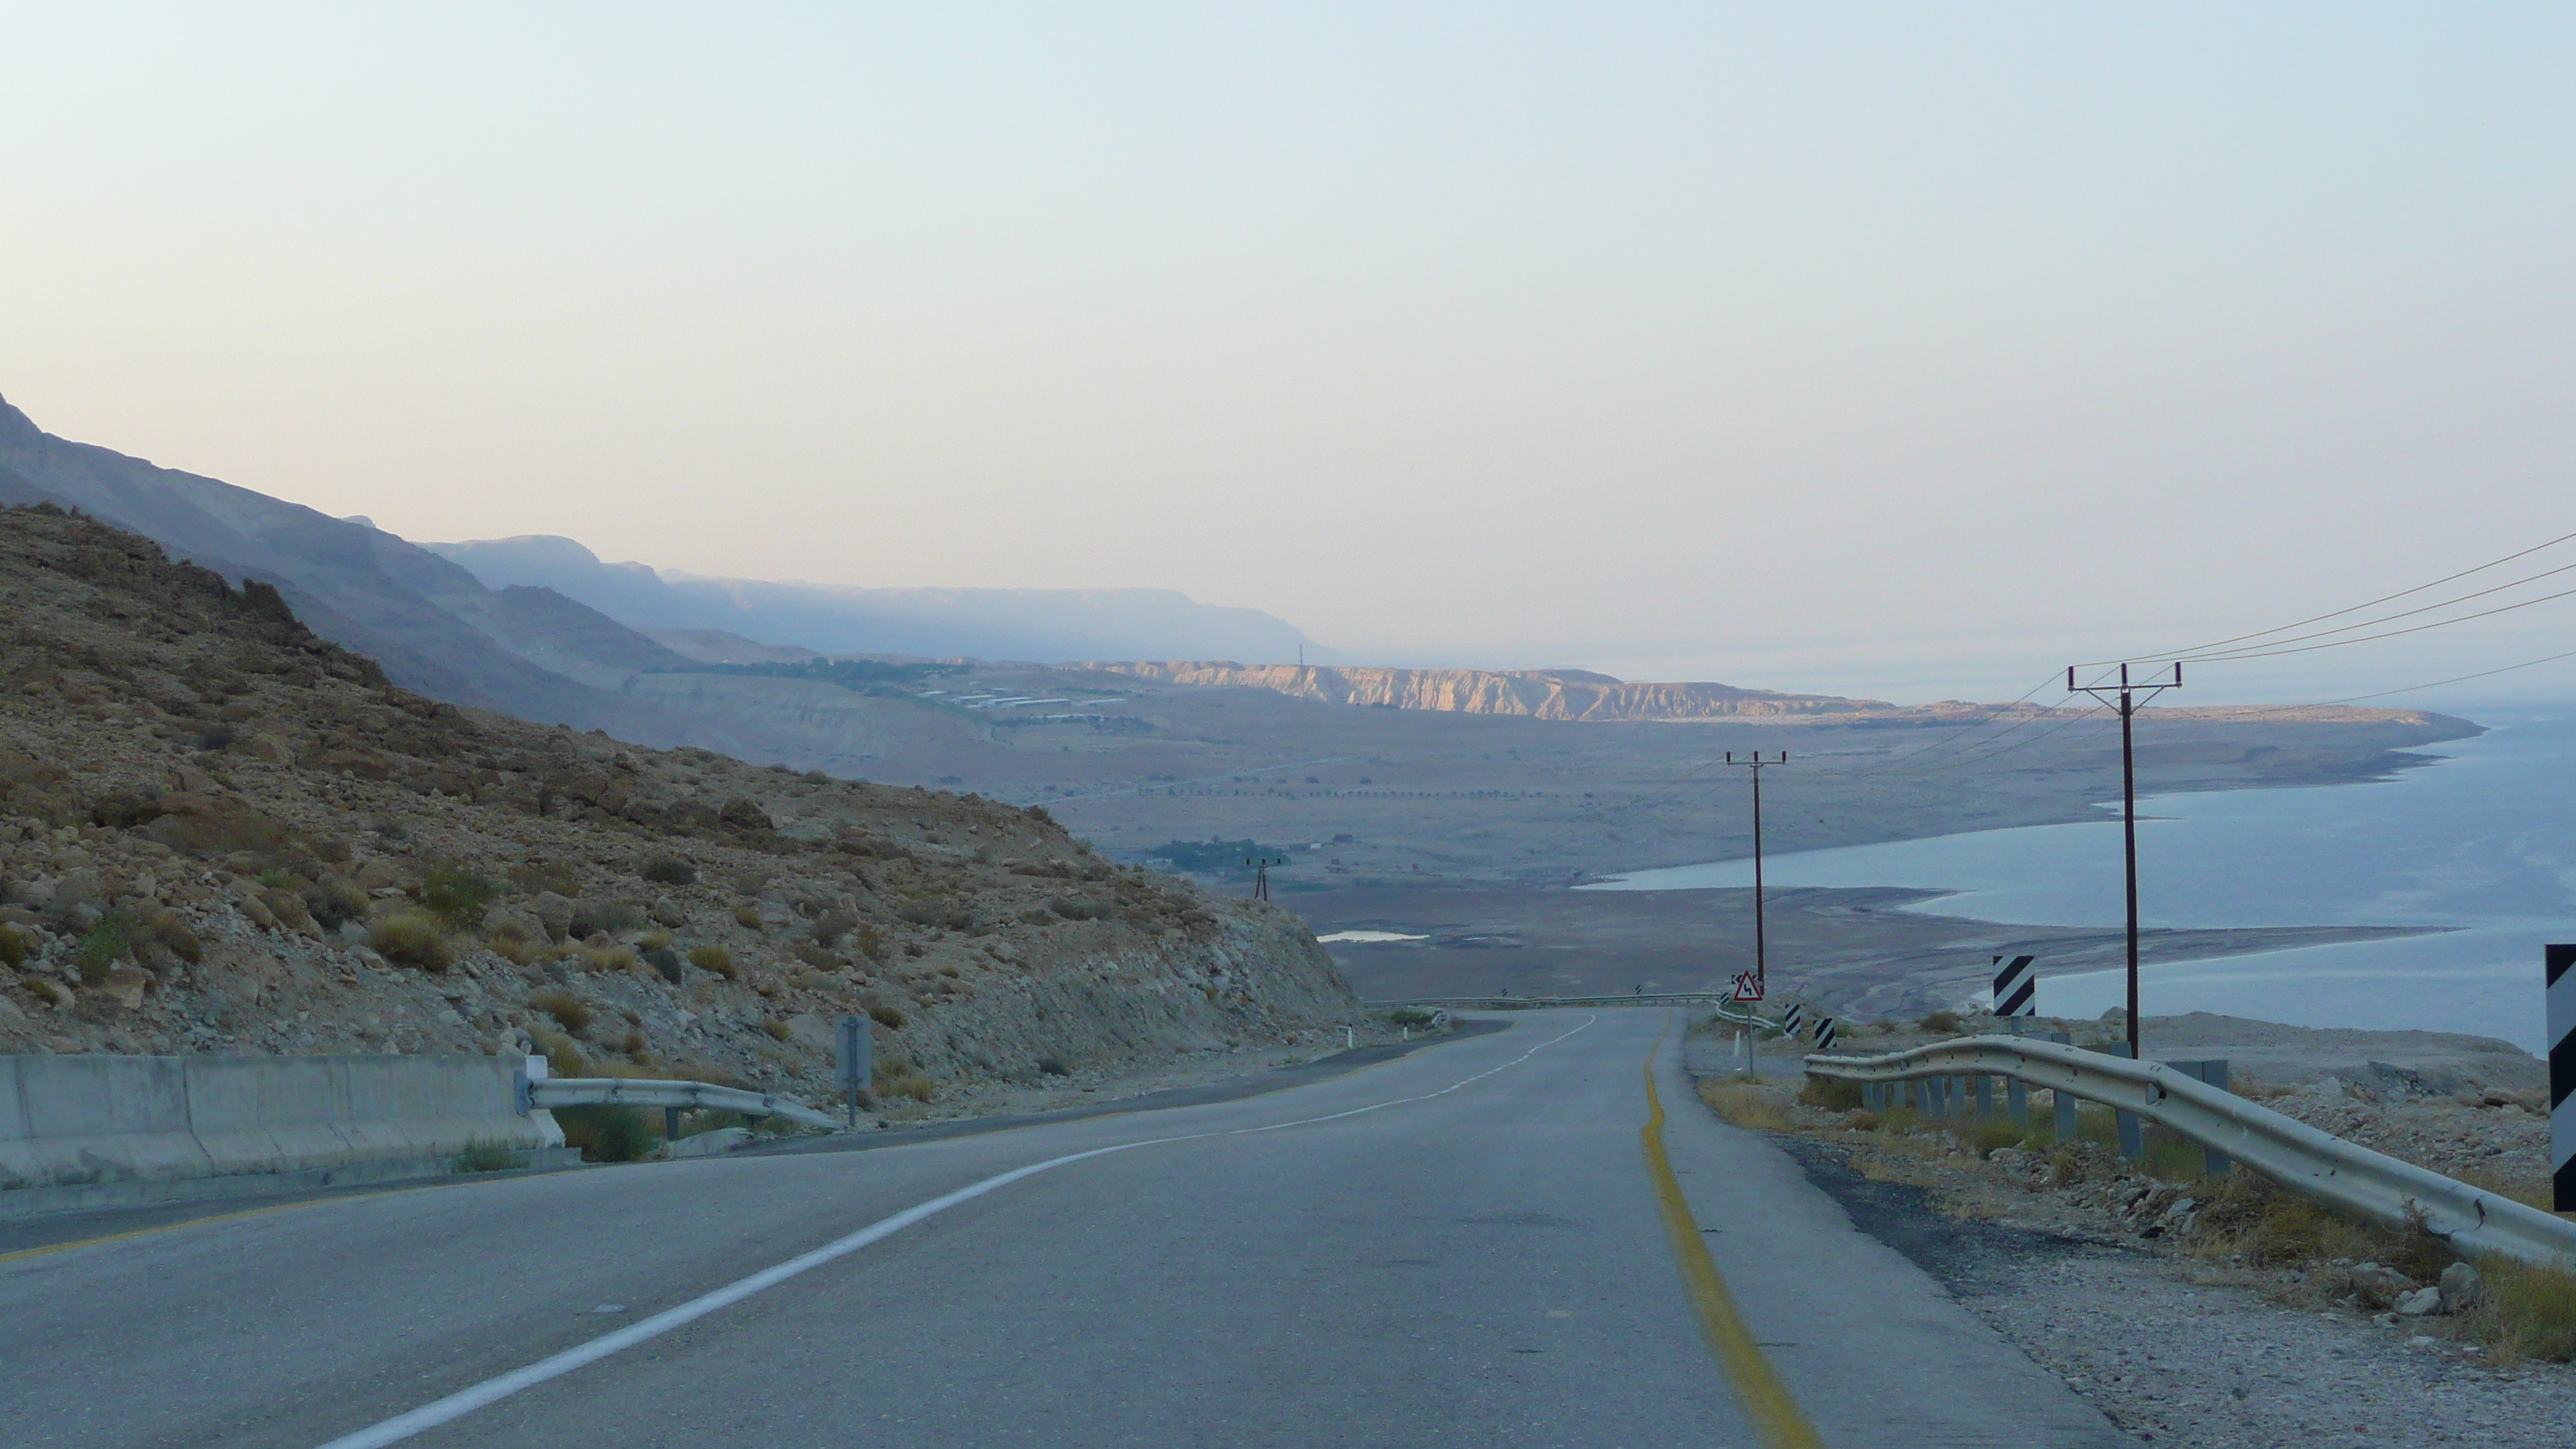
point(220, 832)
point(1564, 694)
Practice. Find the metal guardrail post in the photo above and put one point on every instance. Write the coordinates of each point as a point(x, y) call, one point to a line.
point(2067, 1127)
point(2124, 1123)
point(1985, 1095)
point(2017, 1101)
point(2213, 1071)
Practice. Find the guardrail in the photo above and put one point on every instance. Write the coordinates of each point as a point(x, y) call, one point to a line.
point(1535, 1003)
point(2341, 1174)
point(634, 1092)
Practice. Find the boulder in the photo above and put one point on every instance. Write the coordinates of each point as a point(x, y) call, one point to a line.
point(2461, 1288)
point(2380, 1285)
point(554, 912)
point(2417, 1303)
point(124, 985)
point(743, 813)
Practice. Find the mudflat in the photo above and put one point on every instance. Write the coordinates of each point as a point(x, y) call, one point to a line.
point(1856, 952)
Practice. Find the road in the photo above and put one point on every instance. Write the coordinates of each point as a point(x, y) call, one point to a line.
point(1465, 1246)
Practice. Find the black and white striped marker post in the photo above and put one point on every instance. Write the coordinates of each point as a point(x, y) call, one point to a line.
point(1825, 1035)
point(2016, 995)
point(2016, 989)
point(1789, 1023)
point(2559, 972)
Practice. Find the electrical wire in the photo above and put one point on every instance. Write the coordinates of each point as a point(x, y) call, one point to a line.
point(2218, 644)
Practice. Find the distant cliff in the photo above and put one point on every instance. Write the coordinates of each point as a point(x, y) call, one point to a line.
point(1564, 694)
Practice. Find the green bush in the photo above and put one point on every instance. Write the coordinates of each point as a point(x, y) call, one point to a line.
point(1944, 1023)
point(410, 938)
point(606, 1132)
point(457, 896)
point(484, 1155)
point(108, 942)
point(13, 947)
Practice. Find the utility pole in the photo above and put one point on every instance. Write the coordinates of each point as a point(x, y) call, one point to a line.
point(2128, 699)
point(1761, 972)
point(1261, 873)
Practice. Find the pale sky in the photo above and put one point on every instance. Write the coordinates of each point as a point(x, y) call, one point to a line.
point(1908, 350)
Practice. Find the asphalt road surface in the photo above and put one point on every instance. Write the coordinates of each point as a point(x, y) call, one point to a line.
point(1472, 1245)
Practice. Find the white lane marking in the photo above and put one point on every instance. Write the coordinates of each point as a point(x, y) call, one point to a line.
point(492, 1390)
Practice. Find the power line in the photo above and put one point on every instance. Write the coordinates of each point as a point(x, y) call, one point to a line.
point(2354, 609)
point(2460, 679)
point(2251, 650)
point(2391, 634)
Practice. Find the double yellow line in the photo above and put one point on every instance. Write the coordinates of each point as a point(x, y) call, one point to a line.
point(1766, 1401)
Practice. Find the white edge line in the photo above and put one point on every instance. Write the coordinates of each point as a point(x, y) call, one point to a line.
point(492, 1390)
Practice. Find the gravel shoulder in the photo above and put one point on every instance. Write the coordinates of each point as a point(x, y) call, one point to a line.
point(2104, 1277)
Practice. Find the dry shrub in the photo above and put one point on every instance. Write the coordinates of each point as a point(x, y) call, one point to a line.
point(564, 1007)
point(715, 959)
point(778, 1030)
point(13, 947)
point(1834, 1094)
point(670, 870)
point(2526, 1312)
point(510, 942)
point(1746, 1105)
point(815, 956)
point(886, 1015)
point(410, 938)
point(1944, 1023)
point(747, 917)
point(895, 1077)
point(655, 940)
point(562, 1057)
point(2266, 1225)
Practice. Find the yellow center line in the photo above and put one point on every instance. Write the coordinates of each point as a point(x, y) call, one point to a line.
point(1766, 1401)
point(231, 1217)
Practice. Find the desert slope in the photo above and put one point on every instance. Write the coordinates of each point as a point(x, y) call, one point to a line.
point(219, 832)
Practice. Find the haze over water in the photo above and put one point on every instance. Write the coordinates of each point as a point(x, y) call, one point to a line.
point(2483, 840)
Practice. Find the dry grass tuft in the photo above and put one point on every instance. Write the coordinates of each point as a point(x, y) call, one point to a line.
point(714, 958)
point(410, 938)
point(1745, 1105)
point(564, 1007)
point(2526, 1312)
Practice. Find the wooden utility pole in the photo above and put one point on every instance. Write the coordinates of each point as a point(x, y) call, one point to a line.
point(2128, 698)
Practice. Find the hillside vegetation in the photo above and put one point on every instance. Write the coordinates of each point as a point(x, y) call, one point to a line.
point(220, 832)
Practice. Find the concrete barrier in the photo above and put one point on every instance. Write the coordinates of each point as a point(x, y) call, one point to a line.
point(99, 1131)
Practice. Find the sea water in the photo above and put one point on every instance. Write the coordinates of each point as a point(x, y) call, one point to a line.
point(2482, 840)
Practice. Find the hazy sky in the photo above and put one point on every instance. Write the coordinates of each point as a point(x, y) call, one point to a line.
point(1904, 350)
